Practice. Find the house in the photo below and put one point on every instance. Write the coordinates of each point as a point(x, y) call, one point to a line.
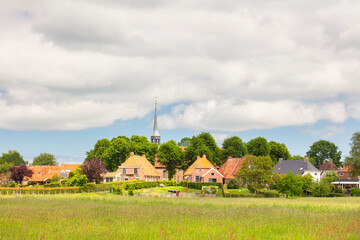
point(135, 167)
point(202, 170)
point(161, 169)
point(43, 173)
point(327, 167)
point(230, 168)
point(301, 167)
point(345, 181)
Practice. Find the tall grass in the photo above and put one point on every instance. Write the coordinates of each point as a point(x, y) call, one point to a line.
point(91, 216)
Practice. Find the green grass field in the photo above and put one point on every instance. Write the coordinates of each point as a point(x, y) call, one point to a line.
point(90, 216)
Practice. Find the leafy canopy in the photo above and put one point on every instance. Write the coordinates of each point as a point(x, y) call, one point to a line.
point(278, 150)
point(353, 161)
point(19, 172)
point(93, 169)
point(45, 159)
point(234, 147)
point(13, 157)
point(324, 150)
point(258, 147)
point(171, 156)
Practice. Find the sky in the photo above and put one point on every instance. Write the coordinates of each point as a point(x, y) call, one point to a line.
point(76, 71)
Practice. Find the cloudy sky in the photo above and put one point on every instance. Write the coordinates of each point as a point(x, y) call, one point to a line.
point(75, 71)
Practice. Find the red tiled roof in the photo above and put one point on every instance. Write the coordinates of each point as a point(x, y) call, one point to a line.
point(230, 168)
point(42, 173)
point(328, 166)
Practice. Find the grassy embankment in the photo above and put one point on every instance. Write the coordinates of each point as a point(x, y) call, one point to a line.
point(90, 216)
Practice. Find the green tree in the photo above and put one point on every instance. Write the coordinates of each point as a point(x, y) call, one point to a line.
point(185, 142)
point(234, 147)
point(330, 177)
point(324, 150)
point(256, 172)
point(290, 185)
point(307, 182)
point(13, 157)
point(353, 161)
point(113, 153)
point(258, 147)
point(202, 144)
point(278, 150)
point(45, 159)
point(5, 167)
point(171, 156)
point(296, 157)
point(77, 178)
point(321, 189)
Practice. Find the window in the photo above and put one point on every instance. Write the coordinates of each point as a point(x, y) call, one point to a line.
point(135, 171)
point(124, 170)
point(315, 173)
point(109, 179)
point(164, 174)
point(137, 177)
point(341, 174)
point(197, 178)
point(212, 174)
point(212, 180)
point(199, 170)
point(38, 172)
point(118, 179)
point(126, 178)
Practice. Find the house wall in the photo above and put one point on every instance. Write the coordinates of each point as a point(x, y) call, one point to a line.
point(216, 175)
point(315, 174)
point(132, 176)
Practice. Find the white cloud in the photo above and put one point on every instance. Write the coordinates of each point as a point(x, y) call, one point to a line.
point(222, 66)
point(328, 132)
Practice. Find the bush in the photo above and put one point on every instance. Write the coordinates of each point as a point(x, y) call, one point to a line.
point(321, 189)
point(89, 187)
point(355, 192)
point(119, 190)
point(209, 189)
point(199, 185)
point(52, 184)
point(131, 193)
point(271, 193)
point(233, 184)
point(42, 190)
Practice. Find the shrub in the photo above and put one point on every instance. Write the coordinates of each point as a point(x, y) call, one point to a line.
point(199, 185)
point(271, 193)
point(131, 192)
point(89, 187)
point(209, 189)
point(233, 184)
point(355, 192)
point(52, 184)
point(321, 189)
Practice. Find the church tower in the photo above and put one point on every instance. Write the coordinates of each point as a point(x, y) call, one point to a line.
point(155, 137)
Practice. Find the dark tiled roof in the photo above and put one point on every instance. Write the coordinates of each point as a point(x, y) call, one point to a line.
point(294, 166)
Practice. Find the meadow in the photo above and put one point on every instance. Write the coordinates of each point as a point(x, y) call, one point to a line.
point(92, 216)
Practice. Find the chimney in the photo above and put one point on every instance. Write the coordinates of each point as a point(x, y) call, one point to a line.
point(144, 155)
point(324, 161)
point(229, 157)
point(280, 159)
point(198, 157)
point(306, 159)
point(204, 156)
point(131, 154)
point(331, 160)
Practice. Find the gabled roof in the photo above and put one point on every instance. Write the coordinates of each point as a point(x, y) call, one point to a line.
point(230, 168)
point(158, 164)
point(199, 163)
point(212, 170)
point(142, 163)
point(345, 169)
point(43, 172)
point(328, 166)
point(294, 166)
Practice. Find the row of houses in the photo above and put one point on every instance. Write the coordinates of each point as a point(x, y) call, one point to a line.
point(202, 170)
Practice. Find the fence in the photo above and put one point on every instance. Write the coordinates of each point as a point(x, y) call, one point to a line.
point(28, 190)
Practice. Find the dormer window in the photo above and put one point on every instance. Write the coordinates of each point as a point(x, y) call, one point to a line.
point(39, 173)
point(301, 169)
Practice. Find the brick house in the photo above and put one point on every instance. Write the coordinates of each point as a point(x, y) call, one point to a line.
point(327, 167)
point(202, 170)
point(135, 167)
point(231, 167)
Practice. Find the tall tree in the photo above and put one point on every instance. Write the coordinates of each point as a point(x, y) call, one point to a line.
point(19, 172)
point(278, 150)
point(202, 144)
point(113, 153)
point(353, 161)
point(258, 147)
point(185, 142)
point(77, 178)
point(45, 159)
point(14, 157)
point(5, 167)
point(171, 156)
point(256, 172)
point(234, 147)
point(93, 169)
point(324, 150)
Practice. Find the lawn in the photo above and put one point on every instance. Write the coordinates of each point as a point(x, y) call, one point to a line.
point(241, 190)
point(91, 216)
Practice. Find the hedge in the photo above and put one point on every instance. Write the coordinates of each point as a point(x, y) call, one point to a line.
point(30, 190)
point(226, 193)
point(355, 192)
point(199, 185)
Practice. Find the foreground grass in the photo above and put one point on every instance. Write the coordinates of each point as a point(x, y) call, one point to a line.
point(89, 216)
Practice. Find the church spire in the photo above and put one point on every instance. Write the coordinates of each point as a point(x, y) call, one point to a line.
point(155, 137)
